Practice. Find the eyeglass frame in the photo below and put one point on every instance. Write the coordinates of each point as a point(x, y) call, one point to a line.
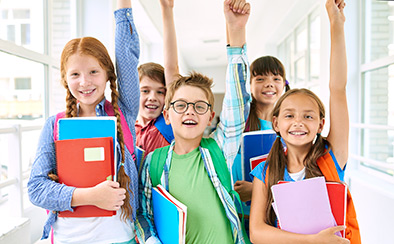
point(187, 106)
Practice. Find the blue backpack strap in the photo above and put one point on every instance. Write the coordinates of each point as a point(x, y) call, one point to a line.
point(164, 129)
point(157, 162)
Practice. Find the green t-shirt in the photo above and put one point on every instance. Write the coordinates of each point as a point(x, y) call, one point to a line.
point(189, 182)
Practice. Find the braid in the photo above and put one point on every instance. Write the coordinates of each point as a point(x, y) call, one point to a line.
point(71, 104)
point(123, 178)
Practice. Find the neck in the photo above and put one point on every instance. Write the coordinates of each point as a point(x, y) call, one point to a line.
point(264, 111)
point(86, 111)
point(296, 157)
point(142, 120)
point(183, 146)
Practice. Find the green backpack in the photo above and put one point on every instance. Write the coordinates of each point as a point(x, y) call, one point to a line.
point(159, 157)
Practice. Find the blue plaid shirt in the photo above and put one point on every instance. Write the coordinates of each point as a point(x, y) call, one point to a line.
point(227, 135)
point(53, 196)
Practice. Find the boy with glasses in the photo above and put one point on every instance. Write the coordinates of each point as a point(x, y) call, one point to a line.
point(190, 170)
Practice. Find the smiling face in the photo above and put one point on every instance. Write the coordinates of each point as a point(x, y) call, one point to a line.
point(86, 80)
point(298, 120)
point(151, 99)
point(267, 89)
point(188, 126)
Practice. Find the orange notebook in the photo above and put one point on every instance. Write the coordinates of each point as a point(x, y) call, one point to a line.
point(85, 163)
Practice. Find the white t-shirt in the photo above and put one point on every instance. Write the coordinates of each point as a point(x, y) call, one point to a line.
point(96, 230)
point(300, 175)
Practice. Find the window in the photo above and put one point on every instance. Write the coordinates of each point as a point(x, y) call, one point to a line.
point(300, 53)
point(377, 72)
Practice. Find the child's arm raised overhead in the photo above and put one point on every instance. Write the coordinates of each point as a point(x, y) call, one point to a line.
point(171, 69)
point(237, 97)
point(339, 116)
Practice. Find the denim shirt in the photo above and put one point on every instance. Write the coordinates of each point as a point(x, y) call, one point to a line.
point(53, 196)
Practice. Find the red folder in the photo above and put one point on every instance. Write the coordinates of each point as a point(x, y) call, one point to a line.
point(85, 163)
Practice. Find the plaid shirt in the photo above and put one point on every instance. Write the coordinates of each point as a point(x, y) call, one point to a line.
point(53, 196)
point(227, 135)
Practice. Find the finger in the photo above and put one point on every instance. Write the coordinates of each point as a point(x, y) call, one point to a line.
point(236, 6)
point(246, 8)
point(337, 228)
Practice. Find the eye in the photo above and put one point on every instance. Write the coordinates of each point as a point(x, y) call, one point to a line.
point(161, 92)
point(180, 105)
point(145, 91)
point(94, 72)
point(308, 117)
point(74, 74)
point(288, 116)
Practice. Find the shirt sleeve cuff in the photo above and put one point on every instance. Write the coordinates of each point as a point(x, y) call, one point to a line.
point(236, 50)
point(123, 14)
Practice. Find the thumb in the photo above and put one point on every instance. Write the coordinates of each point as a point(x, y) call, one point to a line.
point(113, 184)
point(338, 228)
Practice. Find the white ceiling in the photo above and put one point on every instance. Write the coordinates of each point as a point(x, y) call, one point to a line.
point(200, 27)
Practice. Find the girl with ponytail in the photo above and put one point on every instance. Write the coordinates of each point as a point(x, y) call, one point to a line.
point(85, 68)
point(298, 118)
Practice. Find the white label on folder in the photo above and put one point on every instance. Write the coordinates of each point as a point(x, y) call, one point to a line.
point(94, 154)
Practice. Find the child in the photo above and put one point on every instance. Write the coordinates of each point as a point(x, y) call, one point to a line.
point(298, 118)
point(85, 69)
point(152, 132)
point(267, 81)
point(189, 173)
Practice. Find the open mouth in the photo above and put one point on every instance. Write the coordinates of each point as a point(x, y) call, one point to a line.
point(87, 92)
point(151, 106)
point(270, 93)
point(297, 133)
point(189, 122)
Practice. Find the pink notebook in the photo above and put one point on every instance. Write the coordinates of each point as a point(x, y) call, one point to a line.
point(303, 207)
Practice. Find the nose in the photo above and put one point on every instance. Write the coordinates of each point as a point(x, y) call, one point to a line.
point(152, 96)
point(190, 109)
point(298, 121)
point(269, 83)
point(84, 80)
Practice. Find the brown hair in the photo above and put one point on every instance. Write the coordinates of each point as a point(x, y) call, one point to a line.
point(93, 47)
point(263, 66)
point(277, 159)
point(152, 70)
point(193, 79)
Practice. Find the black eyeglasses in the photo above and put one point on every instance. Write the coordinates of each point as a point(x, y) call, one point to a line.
point(181, 106)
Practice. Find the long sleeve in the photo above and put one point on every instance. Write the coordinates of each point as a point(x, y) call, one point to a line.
point(236, 104)
point(42, 191)
point(144, 224)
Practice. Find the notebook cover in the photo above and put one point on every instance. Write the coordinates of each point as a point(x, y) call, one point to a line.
point(85, 163)
point(303, 207)
point(169, 216)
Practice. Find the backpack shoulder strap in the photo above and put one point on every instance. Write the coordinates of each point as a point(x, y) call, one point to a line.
point(157, 162)
point(55, 126)
point(219, 162)
point(164, 129)
point(128, 138)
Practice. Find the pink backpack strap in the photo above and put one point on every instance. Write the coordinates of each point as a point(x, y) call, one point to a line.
point(128, 138)
point(55, 126)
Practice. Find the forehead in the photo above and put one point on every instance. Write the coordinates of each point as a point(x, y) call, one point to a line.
point(82, 61)
point(190, 94)
point(148, 82)
point(299, 102)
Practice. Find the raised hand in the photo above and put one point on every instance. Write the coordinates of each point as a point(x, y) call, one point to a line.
point(167, 3)
point(236, 13)
point(335, 10)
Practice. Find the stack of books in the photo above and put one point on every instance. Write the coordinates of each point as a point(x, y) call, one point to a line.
point(310, 206)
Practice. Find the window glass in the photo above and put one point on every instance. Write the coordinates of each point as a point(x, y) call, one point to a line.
point(379, 30)
point(314, 55)
point(23, 93)
point(19, 20)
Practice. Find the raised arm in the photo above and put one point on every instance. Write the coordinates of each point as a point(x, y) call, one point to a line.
point(339, 115)
point(237, 14)
point(171, 69)
point(123, 4)
point(236, 102)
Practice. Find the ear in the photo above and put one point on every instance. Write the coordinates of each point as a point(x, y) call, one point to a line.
point(275, 122)
point(166, 117)
point(321, 125)
point(211, 118)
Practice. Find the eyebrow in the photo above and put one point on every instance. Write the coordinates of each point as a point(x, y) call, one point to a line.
point(292, 110)
point(151, 87)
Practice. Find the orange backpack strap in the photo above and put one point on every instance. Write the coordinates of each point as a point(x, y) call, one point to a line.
point(327, 167)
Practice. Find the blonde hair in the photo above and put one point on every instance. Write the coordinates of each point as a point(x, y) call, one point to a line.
point(277, 159)
point(193, 79)
point(93, 47)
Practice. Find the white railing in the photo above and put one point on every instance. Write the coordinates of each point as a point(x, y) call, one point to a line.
point(15, 174)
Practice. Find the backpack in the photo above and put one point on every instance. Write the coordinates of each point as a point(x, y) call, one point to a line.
point(127, 136)
point(159, 157)
point(164, 129)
